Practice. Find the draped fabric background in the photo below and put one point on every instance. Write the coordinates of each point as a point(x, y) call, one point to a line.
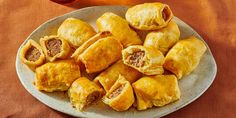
point(214, 20)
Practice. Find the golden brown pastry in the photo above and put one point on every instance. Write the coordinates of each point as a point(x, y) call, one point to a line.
point(149, 16)
point(156, 90)
point(84, 92)
point(88, 43)
point(75, 31)
point(146, 60)
point(55, 47)
point(119, 27)
point(120, 97)
point(184, 56)
point(163, 39)
point(32, 54)
point(57, 75)
point(98, 53)
point(108, 77)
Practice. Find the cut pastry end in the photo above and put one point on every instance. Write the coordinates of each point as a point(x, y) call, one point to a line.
point(120, 97)
point(146, 60)
point(55, 47)
point(32, 55)
point(92, 98)
point(134, 57)
point(166, 14)
point(84, 93)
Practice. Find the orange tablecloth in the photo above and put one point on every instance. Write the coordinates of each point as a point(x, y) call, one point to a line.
point(214, 20)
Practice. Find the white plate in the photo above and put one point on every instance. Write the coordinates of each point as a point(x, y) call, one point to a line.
point(191, 86)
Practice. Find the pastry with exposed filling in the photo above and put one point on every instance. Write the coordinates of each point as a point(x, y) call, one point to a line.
point(164, 38)
point(119, 27)
point(156, 90)
point(84, 93)
point(108, 77)
point(149, 16)
point(55, 47)
point(75, 31)
point(184, 56)
point(32, 54)
point(57, 75)
point(146, 60)
point(120, 97)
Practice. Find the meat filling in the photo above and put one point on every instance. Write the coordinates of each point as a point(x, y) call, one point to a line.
point(53, 46)
point(116, 92)
point(93, 97)
point(165, 14)
point(32, 54)
point(136, 59)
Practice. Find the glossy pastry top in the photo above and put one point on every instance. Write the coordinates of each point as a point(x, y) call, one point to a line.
point(184, 56)
point(101, 54)
point(88, 43)
point(57, 75)
point(75, 31)
point(149, 16)
point(164, 38)
point(119, 27)
point(159, 90)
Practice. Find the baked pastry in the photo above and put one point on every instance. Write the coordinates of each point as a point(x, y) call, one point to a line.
point(98, 53)
point(149, 16)
point(184, 56)
point(119, 27)
point(88, 43)
point(120, 97)
point(156, 90)
point(84, 92)
point(32, 54)
point(57, 75)
point(108, 77)
point(55, 47)
point(164, 38)
point(75, 31)
point(146, 60)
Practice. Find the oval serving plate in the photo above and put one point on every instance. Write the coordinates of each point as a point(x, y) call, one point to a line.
point(192, 86)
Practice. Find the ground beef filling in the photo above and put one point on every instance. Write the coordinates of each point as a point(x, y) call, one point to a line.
point(165, 14)
point(93, 97)
point(32, 54)
point(116, 92)
point(136, 59)
point(53, 46)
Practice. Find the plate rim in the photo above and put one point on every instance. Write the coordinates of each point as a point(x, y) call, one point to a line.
point(92, 7)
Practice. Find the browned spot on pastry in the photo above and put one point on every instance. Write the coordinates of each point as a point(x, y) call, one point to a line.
point(165, 14)
point(116, 92)
point(93, 97)
point(32, 54)
point(53, 46)
point(136, 58)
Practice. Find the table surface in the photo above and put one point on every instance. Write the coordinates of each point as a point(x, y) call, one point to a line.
point(214, 20)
